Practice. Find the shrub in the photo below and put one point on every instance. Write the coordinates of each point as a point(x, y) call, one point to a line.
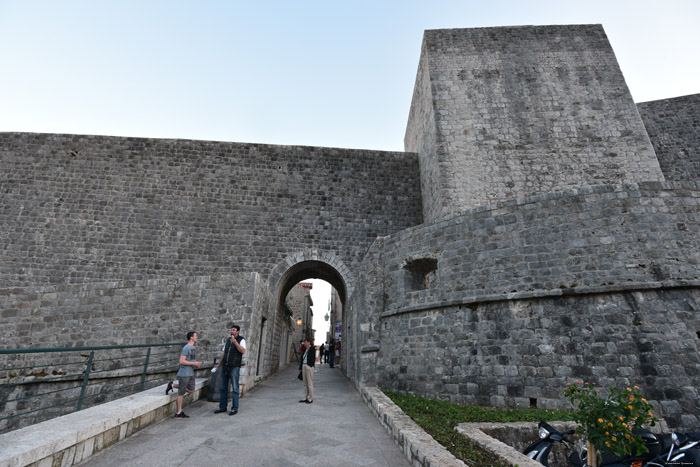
point(608, 422)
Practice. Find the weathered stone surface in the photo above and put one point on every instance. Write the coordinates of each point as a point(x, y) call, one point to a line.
point(674, 128)
point(509, 440)
point(70, 439)
point(420, 448)
point(504, 112)
point(81, 209)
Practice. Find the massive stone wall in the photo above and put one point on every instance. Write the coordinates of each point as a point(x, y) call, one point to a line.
point(91, 208)
point(505, 304)
point(522, 110)
point(674, 129)
point(129, 312)
point(422, 138)
point(591, 239)
point(521, 353)
point(153, 311)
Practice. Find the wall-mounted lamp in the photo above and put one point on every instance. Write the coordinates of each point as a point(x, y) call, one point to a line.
point(299, 322)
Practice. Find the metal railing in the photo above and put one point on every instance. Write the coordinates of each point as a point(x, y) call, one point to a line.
point(39, 384)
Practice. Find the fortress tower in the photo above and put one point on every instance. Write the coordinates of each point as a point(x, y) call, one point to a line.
point(554, 248)
point(500, 113)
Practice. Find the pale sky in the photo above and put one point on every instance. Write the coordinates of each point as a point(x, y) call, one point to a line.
point(317, 73)
point(320, 294)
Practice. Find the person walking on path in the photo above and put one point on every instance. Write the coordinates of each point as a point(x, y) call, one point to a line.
point(306, 365)
point(231, 358)
point(331, 353)
point(185, 373)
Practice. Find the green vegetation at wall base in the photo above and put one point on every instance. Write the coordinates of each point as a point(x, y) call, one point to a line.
point(438, 419)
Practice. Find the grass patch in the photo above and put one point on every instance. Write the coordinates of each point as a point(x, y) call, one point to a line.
point(438, 419)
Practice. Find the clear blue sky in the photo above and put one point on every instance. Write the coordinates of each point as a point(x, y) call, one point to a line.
point(319, 73)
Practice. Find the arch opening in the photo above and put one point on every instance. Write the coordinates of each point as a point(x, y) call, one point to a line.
point(311, 269)
point(294, 303)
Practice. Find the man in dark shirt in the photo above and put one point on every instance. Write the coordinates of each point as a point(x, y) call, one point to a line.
point(231, 360)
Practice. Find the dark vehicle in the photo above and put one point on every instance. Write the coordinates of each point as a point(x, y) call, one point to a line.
point(540, 449)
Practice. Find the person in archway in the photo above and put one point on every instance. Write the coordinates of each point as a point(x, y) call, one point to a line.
point(231, 358)
point(331, 353)
point(306, 365)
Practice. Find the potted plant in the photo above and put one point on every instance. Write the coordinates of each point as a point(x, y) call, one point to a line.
point(608, 422)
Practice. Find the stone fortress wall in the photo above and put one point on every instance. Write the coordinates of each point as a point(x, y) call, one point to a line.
point(533, 234)
point(499, 113)
point(673, 125)
point(103, 210)
point(117, 241)
point(95, 208)
point(597, 284)
point(560, 240)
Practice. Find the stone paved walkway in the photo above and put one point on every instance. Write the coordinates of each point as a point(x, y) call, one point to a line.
point(271, 429)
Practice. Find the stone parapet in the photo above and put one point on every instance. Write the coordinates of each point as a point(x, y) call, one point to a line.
point(509, 440)
point(72, 438)
point(420, 448)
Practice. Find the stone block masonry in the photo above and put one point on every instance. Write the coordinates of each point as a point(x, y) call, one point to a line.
point(151, 311)
point(499, 113)
point(71, 439)
point(674, 128)
point(92, 208)
point(519, 298)
point(595, 239)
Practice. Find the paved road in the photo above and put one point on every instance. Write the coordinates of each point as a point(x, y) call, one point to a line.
point(271, 429)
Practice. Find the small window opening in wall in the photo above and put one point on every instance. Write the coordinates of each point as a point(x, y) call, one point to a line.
point(533, 403)
point(420, 272)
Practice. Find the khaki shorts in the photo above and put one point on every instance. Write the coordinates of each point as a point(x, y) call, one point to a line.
point(185, 385)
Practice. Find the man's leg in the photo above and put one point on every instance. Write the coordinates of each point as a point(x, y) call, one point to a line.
point(179, 403)
point(308, 383)
point(236, 373)
point(183, 384)
point(223, 393)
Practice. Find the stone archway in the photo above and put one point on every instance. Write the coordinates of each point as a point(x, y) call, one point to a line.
point(311, 264)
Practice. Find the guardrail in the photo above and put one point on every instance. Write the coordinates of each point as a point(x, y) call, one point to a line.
point(40, 384)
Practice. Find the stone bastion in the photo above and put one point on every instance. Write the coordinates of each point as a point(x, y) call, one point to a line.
point(505, 304)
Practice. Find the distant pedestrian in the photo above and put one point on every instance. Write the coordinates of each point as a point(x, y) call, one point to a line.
point(231, 358)
point(185, 373)
point(331, 352)
point(325, 352)
point(306, 365)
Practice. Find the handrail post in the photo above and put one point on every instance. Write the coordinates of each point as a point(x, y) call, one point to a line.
point(85, 380)
point(145, 368)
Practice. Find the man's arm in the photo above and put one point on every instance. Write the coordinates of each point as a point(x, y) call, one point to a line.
point(241, 348)
point(221, 359)
point(184, 361)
